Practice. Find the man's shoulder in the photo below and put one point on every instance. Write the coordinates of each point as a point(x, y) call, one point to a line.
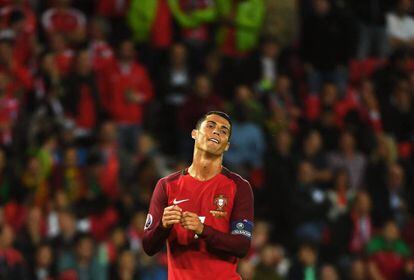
point(171, 177)
point(236, 178)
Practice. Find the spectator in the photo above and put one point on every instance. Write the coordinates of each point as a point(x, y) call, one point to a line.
point(369, 107)
point(312, 151)
point(399, 120)
point(310, 204)
point(264, 67)
point(372, 37)
point(7, 180)
point(247, 144)
point(306, 264)
point(193, 18)
point(83, 261)
point(384, 248)
point(358, 270)
point(21, 24)
point(20, 78)
point(349, 158)
point(31, 234)
point(101, 56)
point(12, 264)
point(327, 45)
point(63, 55)
point(282, 21)
point(246, 269)
point(115, 11)
point(400, 25)
point(328, 272)
point(244, 96)
point(126, 267)
point(82, 98)
point(65, 239)
point(282, 100)
point(280, 172)
point(130, 89)
point(268, 261)
point(397, 193)
point(71, 177)
point(353, 230)
point(152, 29)
point(109, 156)
point(340, 195)
point(172, 90)
point(49, 89)
point(61, 18)
point(9, 109)
point(44, 264)
point(113, 247)
point(387, 77)
point(383, 155)
point(237, 36)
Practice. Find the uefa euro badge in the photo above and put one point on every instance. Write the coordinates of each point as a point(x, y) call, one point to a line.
point(220, 201)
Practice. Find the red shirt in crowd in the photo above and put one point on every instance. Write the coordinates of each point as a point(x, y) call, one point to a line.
point(112, 8)
point(126, 81)
point(224, 205)
point(161, 33)
point(23, 42)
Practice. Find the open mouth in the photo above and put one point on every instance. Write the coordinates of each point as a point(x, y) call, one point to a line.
point(214, 140)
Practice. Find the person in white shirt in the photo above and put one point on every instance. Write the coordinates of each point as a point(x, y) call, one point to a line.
point(400, 25)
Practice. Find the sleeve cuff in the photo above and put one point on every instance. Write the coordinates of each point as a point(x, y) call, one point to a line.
point(207, 231)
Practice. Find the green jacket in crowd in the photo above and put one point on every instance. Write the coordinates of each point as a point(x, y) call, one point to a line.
point(248, 22)
point(194, 18)
point(140, 17)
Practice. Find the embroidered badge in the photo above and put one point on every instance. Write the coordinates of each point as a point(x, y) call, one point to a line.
point(148, 222)
point(220, 201)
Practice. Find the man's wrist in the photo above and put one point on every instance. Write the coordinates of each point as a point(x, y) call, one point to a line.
point(200, 230)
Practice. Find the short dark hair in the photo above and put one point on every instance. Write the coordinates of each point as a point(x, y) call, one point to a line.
point(218, 113)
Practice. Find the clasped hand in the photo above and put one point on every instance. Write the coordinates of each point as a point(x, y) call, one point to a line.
point(174, 215)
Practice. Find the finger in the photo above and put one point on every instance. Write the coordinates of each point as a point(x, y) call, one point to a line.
point(169, 213)
point(169, 207)
point(173, 212)
point(172, 222)
point(189, 227)
point(172, 217)
point(177, 217)
point(189, 214)
point(187, 219)
point(176, 207)
point(173, 207)
point(187, 223)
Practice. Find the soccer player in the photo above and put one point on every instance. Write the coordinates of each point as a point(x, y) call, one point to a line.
point(204, 212)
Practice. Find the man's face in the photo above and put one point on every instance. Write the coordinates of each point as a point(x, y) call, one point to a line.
point(213, 135)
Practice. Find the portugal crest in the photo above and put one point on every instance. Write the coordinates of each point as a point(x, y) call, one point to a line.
point(220, 201)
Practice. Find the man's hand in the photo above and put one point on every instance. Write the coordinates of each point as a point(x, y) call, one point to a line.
point(191, 221)
point(172, 215)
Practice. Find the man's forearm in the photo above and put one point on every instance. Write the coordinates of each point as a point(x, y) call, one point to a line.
point(236, 245)
point(153, 240)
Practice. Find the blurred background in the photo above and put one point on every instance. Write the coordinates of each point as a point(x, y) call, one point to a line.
point(98, 98)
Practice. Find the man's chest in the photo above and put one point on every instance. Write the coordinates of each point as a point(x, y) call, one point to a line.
point(211, 201)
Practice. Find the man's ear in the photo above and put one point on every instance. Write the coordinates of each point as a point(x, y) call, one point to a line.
point(194, 134)
point(227, 146)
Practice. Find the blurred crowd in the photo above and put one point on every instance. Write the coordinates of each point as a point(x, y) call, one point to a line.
point(98, 99)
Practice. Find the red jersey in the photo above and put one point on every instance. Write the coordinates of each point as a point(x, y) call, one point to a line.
point(124, 79)
point(224, 205)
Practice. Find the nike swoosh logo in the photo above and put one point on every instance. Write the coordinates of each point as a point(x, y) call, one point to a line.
point(179, 201)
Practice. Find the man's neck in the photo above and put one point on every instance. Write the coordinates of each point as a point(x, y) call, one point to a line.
point(205, 166)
